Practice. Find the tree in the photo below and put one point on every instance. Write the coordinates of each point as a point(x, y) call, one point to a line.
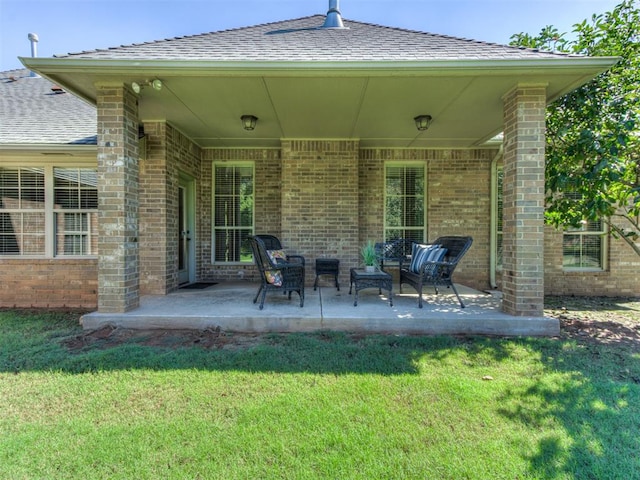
point(593, 133)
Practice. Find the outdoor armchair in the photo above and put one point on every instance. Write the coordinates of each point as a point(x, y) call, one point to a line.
point(277, 273)
point(435, 266)
point(393, 250)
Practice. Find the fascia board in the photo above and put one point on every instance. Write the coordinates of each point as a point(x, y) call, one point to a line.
point(48, 149)
point(140, 68)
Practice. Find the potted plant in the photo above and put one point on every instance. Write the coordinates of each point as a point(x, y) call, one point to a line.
point(369, 256)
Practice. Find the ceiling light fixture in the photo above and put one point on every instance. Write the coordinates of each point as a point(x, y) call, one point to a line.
point(249, 122)
point(423, 122)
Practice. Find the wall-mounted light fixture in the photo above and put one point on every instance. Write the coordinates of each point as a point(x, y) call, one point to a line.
point(423, 122)
point(155, 84)
point(249, 122)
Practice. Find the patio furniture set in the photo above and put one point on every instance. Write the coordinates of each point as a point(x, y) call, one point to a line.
point(418, 265)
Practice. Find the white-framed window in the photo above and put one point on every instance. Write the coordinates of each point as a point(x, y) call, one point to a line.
point(584, 247)
point(405, 208)
point(498, 244)
point(48, 211)
point(233, 211)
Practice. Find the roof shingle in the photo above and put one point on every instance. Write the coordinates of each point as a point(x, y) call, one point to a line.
point(303, 39)
point(31, 112)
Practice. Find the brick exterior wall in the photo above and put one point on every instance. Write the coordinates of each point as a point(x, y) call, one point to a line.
point(268, 192)
point(320, 201)
point(49, 283)
point(322, 198)
point(455, 205)
point(169, 154)
point(621, 276)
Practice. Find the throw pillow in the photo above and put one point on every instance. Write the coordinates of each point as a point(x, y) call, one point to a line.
point(419, 253)
point(277, 255)
point(274, 277)
point(435, 255)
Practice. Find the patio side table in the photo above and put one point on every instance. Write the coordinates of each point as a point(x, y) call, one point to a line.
point(327, 266)
point(378, 279)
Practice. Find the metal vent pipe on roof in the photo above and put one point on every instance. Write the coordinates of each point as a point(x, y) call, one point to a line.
point(33, 38)
point(334, 19)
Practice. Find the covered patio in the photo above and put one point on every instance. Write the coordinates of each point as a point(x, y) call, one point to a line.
point(229, 306)
point(334, 126)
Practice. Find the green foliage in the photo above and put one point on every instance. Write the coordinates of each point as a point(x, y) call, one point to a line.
point(593, 133)
point(368, 253)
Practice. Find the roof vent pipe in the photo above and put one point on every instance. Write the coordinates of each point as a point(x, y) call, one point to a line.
point(33, 38)
point(334, 19)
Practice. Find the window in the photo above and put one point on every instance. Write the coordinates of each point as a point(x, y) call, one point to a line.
point(76, 211)
point(583, 247)
point(48, 211)
point(498, 253)
point(233, 211)
point(404, 215)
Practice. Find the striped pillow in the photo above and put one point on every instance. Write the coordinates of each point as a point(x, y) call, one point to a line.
point(420, 253)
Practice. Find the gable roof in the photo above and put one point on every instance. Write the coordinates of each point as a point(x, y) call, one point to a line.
point(35, 111)
point(365, 81)
point(304, 39)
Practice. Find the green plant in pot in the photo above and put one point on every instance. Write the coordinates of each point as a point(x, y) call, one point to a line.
point(369, 256)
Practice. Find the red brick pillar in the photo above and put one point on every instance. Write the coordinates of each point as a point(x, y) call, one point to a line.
point(118, 268)
point(523, 201)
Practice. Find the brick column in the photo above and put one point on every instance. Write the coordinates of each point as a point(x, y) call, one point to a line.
point(118, 269)
point(523, 201)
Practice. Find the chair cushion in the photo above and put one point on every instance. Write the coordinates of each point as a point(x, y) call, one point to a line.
point(276, 255)
point(419, 253)
point(274, 277)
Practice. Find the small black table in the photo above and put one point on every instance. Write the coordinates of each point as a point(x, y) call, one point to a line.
point(378, 279)
point(327, 266)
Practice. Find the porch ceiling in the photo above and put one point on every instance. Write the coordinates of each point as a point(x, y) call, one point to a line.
point(375, 104)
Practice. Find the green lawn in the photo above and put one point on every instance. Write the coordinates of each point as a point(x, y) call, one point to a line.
point(314, 406)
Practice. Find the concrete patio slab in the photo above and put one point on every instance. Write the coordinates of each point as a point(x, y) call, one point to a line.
point(230, 307)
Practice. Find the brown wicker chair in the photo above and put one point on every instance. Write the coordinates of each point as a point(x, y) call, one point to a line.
point(278, 275)
point(437, 273)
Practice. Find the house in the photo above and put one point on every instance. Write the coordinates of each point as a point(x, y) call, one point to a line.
point(323, 131)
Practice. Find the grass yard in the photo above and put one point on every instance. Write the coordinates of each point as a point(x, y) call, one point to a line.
point(315, 406)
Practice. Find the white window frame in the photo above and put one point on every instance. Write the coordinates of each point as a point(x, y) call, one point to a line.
point(583, 234)
point(49, 208)
point(423, 228)
point(227, 164)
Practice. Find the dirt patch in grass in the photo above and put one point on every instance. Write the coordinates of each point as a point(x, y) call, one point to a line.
point(110, 336)
point(586, 319)
point(597, 319)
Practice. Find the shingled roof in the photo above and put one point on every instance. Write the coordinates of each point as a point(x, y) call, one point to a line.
point(34, 111)
point(303, 39)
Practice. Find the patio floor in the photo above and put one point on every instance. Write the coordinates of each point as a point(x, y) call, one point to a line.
point(229, 306)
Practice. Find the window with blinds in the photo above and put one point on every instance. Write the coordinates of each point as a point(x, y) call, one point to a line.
point(22, 211)
point(404, 215)
point(30, 196)
point(76, 211)
point(233, 211)
point(583, 248)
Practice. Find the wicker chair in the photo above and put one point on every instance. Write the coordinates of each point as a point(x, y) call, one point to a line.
point(277, 274)
point(393, 250)
point(437, 273)
point(272, 242)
